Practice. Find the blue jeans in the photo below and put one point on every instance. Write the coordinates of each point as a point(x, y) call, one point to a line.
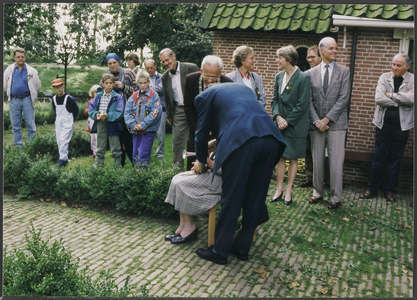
point(161, 136)
point(16, 107)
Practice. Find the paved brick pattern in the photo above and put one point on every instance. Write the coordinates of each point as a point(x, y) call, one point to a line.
point(135, 246)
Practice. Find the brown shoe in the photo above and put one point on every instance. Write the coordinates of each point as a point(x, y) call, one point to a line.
point(306, 183)
point(367, 195)
point(390, 197)
point(333, 205)
point(314, 200)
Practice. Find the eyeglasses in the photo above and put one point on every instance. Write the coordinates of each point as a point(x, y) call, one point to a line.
point(210, 77)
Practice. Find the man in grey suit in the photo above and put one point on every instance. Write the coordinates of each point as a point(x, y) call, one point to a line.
point(173, 82)
point(329, 123)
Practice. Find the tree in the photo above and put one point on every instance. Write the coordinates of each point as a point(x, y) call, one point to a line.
point(32, 27)
point(159, 26)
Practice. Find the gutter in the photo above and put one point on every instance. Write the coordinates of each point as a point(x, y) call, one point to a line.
point(340, 20)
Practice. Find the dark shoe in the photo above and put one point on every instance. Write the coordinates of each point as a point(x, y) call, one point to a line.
point(171, 236)
point(411, 204)
point(208, 254)
point(333, 205)
point(367, 195)
point(390, 197)
point(239, 254)
point(287, 202)
point(276, 199)
point(306, 183)
point(182, 240)
point(62, 163)
point(314, 200)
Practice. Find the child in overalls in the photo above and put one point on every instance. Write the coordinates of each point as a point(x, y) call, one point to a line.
point(66, 110)
point(142, 117)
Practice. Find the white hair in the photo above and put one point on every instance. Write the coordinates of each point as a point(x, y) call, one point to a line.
point(325, 40)
point(212, 60)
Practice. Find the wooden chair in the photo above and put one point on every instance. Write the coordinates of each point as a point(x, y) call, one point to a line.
point(212, 225)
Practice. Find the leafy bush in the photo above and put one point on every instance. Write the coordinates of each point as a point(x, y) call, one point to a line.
point(42, 176)
point(46, 145)
point(6, 120)
point(43, 270)
point(15, 165)
point(31, 170)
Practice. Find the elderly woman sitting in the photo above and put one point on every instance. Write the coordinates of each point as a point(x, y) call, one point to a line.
point(193, 194)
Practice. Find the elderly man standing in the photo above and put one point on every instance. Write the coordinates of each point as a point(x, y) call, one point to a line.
point(22, 85)
point(173, 82)
point(125, 86)
point(393, 118)
point(314, 59)
point(328, 117)
point(195, 83)
point(156, 85)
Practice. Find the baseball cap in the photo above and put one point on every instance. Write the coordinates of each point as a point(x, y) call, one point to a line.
point(57, 82)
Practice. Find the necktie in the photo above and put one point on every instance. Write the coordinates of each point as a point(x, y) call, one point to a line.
point(326, 79)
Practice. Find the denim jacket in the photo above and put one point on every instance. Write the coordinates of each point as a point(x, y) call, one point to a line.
point(150, 111)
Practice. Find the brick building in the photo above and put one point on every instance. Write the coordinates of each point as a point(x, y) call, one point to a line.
point(379, 32)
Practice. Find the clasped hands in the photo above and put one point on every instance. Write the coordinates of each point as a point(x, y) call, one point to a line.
point(198, 168)
point(137, 127)
point(101, 116)
point(322, 124)
point(389, 95)
point(282, 123)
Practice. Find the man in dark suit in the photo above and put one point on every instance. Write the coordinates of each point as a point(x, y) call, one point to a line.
point(173, 82)
point(195, 83)
point(249, 146)
point(329, 123)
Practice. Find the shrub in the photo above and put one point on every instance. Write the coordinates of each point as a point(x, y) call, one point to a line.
point(46, 145)
point(42, 176)
point(43, 270)
point(32, 171)
point(43, 145)
point(6, 120)
point(15, 165)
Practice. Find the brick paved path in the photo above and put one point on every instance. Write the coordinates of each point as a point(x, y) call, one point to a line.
point(136, 247)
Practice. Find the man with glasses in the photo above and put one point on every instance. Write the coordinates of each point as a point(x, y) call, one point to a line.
point(173, 82)
point(195, 83)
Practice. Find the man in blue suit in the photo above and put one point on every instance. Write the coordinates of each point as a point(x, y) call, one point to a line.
point(249, 145)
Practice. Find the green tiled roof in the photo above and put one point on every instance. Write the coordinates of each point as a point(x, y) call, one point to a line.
point(294, 17)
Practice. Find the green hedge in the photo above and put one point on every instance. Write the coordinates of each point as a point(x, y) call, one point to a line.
point(32, 171)
point(44, 268)
point(44, 115)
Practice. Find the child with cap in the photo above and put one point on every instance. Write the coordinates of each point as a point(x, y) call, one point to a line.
point(66, 110)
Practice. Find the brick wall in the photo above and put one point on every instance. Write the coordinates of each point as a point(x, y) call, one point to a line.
point(375, 49)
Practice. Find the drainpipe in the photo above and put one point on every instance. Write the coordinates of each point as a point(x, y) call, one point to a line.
point(352, 66)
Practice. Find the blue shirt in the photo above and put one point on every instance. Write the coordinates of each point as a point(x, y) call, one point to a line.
point(20, 82)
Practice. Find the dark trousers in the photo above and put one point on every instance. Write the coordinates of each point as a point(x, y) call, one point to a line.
point(126, 142)
point(390, 142)
point(246, 177)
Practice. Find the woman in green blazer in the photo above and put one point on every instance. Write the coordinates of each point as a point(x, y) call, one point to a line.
point(290, 108)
